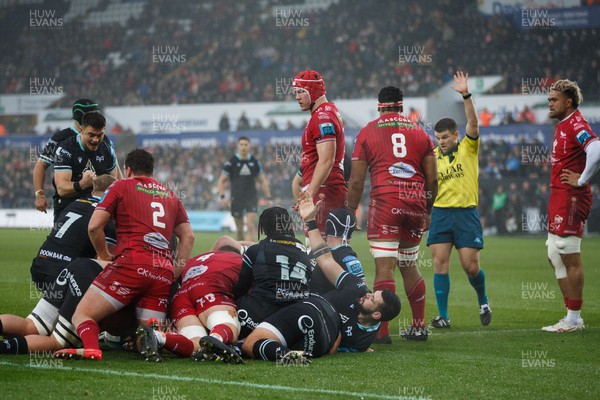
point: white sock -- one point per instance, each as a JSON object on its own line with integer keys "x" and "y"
{"x": 573, "y": 316}
{"x": 162, "y": 339}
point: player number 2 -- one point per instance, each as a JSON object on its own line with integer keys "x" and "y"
{"x": 160, "y": 212}
{"x": 399, "y": 142}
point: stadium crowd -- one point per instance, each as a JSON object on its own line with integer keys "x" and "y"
{"x": 509, "y": 184}
{"x": 237, "y": 52}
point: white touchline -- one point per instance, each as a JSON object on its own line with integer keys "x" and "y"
{"x": 211, "y": 381}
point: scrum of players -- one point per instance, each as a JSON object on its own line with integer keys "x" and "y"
{"x": 111, "y": 274}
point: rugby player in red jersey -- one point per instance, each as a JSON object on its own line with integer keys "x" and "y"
{"x": 399, "y": 156}
{"x": 575, "y": 160}
{"x": 323, "y": 147}
{"x": 146, "y": 214}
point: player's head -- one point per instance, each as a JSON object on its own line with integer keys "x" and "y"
{"x": 101, "y": 183}
{"x": 382, "y": 305}
{"x": 309, "y": 87}
{"x": 93, "y": 125}
{"x": 82, "y": 106}
{"x": 275, "y": 221}
{"x": 139, "y": 162}
{"x": 564, "y": 98}
{"x": 340, "y": 223}
{"x": 243, "y": 146}
{"x": 446, "y": 134}
{"x": 390, "y": 99}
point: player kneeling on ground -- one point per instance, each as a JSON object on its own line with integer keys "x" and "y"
{"x": 204, "y": 310}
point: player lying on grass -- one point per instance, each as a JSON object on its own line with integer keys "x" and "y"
{"x": 71, "y": 284}
{"x": 345, "y": 319}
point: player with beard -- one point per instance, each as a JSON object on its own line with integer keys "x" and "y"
{"x": 575, "y": 160}
{"x": 345, "y": 319}
{"x": 277, "y": 269}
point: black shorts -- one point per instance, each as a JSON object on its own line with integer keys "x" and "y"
{"x": 83, "y": 271}
{"x": 44, "y": 275}
{"x": 251, "y": 312}
{"x": 312, "y": 325}
{"x": 240, "y": 206}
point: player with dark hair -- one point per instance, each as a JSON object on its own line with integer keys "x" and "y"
{"x": 203, "y": 309}
{"x": 399, "y": 156}
{"x": 277, "y": 268}
{"x": 323, "y": 147}
{"x": 146, "y": 214}
{"x": 345, "y": 319}
{"x": 339, "y": 227}
{"x": 575, "y": 160}
{"x": 243, "y": 171}
{"x": 455, "y": 220}
{"x": 73, "y": 281}
{"x": 81, "y": 158}
{"x": 48, "y": 157}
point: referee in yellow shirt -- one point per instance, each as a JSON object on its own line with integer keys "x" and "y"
{"x": 455, "y": 219}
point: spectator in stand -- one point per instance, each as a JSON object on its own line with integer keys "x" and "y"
{"x": 485, "y": 117}
{"x": 224, "y": 123}
{"x": 526, "y": 116}
{"x": 243, "y": 123}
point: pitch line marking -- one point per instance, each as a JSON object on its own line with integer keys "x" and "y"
{"x": 212, "y": 381}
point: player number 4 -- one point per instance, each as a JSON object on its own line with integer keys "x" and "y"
{"x": 399, "y": 142}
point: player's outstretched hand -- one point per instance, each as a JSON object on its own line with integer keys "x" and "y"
{"x": 306, "y": 207}
{"x": 460, "y": 82}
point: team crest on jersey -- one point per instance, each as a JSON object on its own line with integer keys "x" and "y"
{"x": 245, "y": 170}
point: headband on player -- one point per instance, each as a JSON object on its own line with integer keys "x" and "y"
{"x": 389, "y": 96}
{"x": 82, "y": 106}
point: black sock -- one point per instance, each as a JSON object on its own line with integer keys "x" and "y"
{"x": 16, "y": 345}
{"x": 1, "y": 327}
{"x": 268, "y": 350}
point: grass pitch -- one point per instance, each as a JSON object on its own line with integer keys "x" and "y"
{"x": 510, "y": 359}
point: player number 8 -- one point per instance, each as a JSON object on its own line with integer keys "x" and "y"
{"x": 399, "y": 142}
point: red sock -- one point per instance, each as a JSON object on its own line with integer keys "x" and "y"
{"x": 567, "y": 302}
{"x": 224, "y": 331}
{"x": 88, "y": 331}
{"x": 384, "y": 328}
{"x": 574, "y": 304}
{"x": 416, "y": 299}
{"x": 178, "y": 344}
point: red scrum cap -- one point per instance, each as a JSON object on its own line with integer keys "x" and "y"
{"x": 312, "y": 82}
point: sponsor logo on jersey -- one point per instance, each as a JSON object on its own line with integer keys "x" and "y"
{"x": 402, "y": 170}
{"x": 326, "y": 128}
{"x": 583, "y": 137}
{"x": 194, "y": 271}
{"x": 153, "y": 189}
{"x": 451, "y": 173}
{"x": 245, "y": 170}
{"x": 157, "y": 240}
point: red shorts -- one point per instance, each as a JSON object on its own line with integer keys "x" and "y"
{"x": 195, "y": 296}
{"x": 391, "y": 219}
{"x": 124, "y": 283}
{"x": 567, "y": 213}
{"x": 333, "y": 197}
